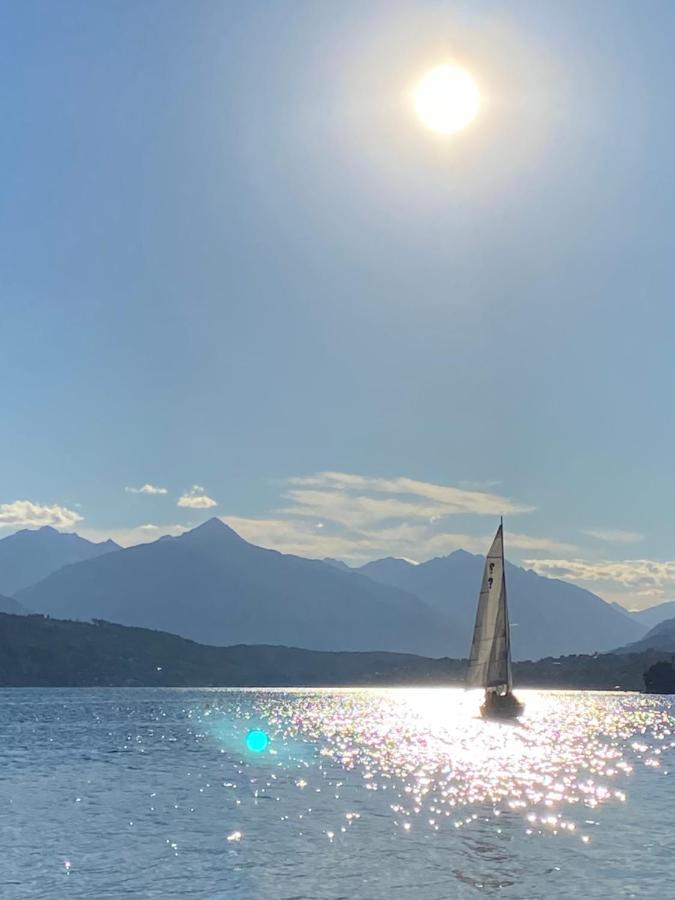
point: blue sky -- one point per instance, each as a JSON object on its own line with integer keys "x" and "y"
{"x": 231, "y": 258}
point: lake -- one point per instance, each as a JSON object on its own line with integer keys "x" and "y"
{"x": 367, "y": 794}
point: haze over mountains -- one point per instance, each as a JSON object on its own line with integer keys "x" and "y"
{"x": 211, "y": 585}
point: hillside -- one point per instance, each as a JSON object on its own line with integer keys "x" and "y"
{"x": 36, "y": 651}
{"x": 661, "y": 638}
{"x": 10, "y": 605}
{"x": 29, "y": 555}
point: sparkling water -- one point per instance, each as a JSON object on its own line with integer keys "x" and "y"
{"x": 359, "y": 794}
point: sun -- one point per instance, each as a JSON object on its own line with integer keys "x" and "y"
{"x": 447, "y": 99}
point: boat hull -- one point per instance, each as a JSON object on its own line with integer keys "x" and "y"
{"x": 500, "y": 707}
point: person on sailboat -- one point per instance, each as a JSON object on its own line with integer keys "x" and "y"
{"x": 490, "y": 658}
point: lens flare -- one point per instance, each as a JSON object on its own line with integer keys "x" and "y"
{"x": 257, "y": 741}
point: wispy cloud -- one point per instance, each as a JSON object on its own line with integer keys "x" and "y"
{"x": 479, "y": 485}
{"x": 146, "y": 489}
{"x": 196, "y": 498}
{"x": 422, "y": 496}
{"x": 614, "y": 536}
{"x": 410, "y": 540}
{"x": 643, "y": 581}
{"x": 26, "y": 514}
{"x": 359, "y": 517}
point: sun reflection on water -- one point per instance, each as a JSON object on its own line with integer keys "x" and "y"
{"x": 442, "y": 767}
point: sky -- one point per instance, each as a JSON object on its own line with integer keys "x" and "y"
{"x": 239, "y": 278}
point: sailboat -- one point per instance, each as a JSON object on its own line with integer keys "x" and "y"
{"x": 490, "y": 658}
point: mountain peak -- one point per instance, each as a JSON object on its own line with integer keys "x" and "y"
{"x": 214, "y": 528}
{"x": 29, "y": 555}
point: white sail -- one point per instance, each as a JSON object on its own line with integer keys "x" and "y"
{"x": 490, "y": 660}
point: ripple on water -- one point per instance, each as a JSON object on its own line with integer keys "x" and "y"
{"x": 362, "y": 794}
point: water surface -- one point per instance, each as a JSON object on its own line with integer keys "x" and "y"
{"x": 358, "y": 794}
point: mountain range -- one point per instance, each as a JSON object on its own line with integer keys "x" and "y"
{"x": 211, "y": 585}
{"x": 548, "y": 617}
{"x": 31, "y": 554}
{"x": 661, "y": 638}
{"x": 653, "y": 615}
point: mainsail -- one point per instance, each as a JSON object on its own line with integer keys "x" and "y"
{"x": 490, "y": 660}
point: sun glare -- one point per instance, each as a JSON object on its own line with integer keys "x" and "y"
{"x": 447, "y": 99}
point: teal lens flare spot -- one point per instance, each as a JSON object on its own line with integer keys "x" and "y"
{"x": 257, "y": 741}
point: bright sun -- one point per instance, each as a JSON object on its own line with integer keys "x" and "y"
{"x": 447, "y": 99}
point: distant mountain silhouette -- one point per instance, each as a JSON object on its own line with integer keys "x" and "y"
{"x": 211, "y": 585}
{"x": 548, "y": 617}
{"x": 661, "y": 637}
{"x": 30, "y": 555}
{"x": 655, "y": 614}
{"x": 389, "y": 570}
{"x": 337, "y": 563}
{"x": 10, "y": 605}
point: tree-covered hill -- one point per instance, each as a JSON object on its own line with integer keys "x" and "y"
{"x": 39, "y": 651}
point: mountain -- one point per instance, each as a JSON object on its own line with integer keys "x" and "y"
{"x": 10, "y": 605}
{"x": 31, "y": 554}
{"x": 389, "y": 570}
{"x": 211, "y": 585}
{"x": 622, "y": 609}
{"x": 661, "y": 638}
{"x": 655, "y": 614}
{"x": 337, "y": 563}
{"x": 548, "y": 617}
{"x": 35, "y": 651}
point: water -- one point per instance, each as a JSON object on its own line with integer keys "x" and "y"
{"x": 358, "y": 794}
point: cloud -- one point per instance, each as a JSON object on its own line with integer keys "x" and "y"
{"x": 26, "y": 514}
{"x": 359, "y": 517}
{"x": 636, "y": 582}
{"x": 409, "y": 540}
{"x": 196, "y": 498}
{"x": 612, "y": 536}
{"x": 298, "y": 538}
{"x": 528, "y": 542}
{"x": 479, "y": 485}
{"x": 146, "y": 489}
{"x": 421, "y": 496}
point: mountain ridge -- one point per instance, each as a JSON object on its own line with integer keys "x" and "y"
{"x": 210, "y": 584}
{"x": 31, "y": 554}
{"x": 546, "y": 613}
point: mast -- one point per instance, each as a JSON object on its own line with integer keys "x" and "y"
{"x": 507, "y": 626}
